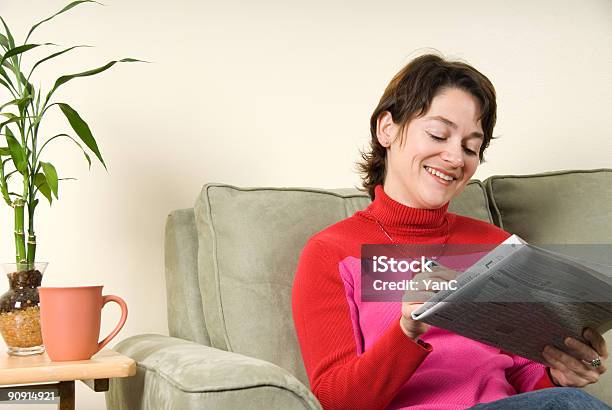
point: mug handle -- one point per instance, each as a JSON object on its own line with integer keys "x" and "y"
{"x": 124, "y": 312}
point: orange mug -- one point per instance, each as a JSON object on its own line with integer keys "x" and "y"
{"x": 70, "y": 321}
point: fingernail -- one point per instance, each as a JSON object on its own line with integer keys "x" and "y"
{"x": 568, "y": 341}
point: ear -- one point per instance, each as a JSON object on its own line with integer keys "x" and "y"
{"x": 386, "y": 129}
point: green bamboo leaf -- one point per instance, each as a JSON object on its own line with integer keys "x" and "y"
{"x": 21, "y": 78}
{"x": 10, "y": 174}
{"x": 5, "y": 194}
{"x": 82, "y": 130}
{"x": 11, "y": 118}
{"x": 4, "y": 42}
{"x": 19, "y": 50}
{"x": 34, "y": 205}
{"x": 17, "y": 153}
{"x": 6, "y": 77}
{"x": 40, "y": 181}
{"x": 26, "y": 99}
{"x": 29, "y": 87}
{"x": 5, "y": 84}
{"x": 9, "y": 36}
{"x": 59, "y": 53}
{"x": 51, "y": 175}
{"x": 38, "y": 103}
{"x": 18, "y": 102}
{"x": 65, "y": 78}
{"x": 23, "y": 103}
{"x": 87, "y": 157}
{"x": 4, "y": 185}
{"x": 13, "y": 102}
{"x": 5, "y": 151}
{"x": 22, "y": 166}
{"x": 66, "y": 8}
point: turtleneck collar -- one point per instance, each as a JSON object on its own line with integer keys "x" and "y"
{"x": 396, "y": 216}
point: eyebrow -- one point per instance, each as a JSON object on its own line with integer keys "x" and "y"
{"x": 453, "y": 125}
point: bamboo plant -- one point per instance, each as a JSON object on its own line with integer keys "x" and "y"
{"x": 23, "y": 172}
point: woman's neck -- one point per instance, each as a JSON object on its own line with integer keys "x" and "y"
{"x": 394, "y": 214}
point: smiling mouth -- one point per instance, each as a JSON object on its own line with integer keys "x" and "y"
{"x": 439, "y": 174}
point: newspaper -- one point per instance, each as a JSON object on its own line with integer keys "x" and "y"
{"x": 520, "y": 298}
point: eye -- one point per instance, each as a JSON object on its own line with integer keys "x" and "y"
{"x": 469, "y": 151}
{"x": 435, "y": 137}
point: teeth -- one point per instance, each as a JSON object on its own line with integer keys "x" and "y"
{"x": 439, "y": 174}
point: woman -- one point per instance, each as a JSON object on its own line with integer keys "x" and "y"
{"x": 429, "y": 133}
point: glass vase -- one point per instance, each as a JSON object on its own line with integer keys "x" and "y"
{"x": 20, "y": 309}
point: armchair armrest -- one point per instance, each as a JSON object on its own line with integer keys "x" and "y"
{"x": 175, "y": 373}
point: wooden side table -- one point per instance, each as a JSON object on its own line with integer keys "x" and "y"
{"x": 39, "y": 374}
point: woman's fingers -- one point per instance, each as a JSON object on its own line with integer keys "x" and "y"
{"x": 567, "y": 379}
{"x": 597, "y": 341}
{"x": 437, "y": 272}
{"x": 412, "y": 328}
{"x": 424, "y": 285}
{"x": 573, "y": 369}
{"x": 562, "y": 375}
{"x": 586, "y": 354}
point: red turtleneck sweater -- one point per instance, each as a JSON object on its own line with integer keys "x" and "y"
{"x": 355, "y": 353}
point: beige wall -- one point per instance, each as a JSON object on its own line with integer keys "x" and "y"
{"x": 279, "y": 93}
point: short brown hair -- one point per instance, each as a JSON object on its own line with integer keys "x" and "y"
{"x": 409, "y": 95}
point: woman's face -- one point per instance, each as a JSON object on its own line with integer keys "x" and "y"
{"x": 439, "y": 152}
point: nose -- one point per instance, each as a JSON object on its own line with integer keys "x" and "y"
{"x": 453, "y": 155}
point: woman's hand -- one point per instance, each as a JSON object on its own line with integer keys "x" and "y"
{"x": 413, "y": 299}
{"x": 575, "y": 369}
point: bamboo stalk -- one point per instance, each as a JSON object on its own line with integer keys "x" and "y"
{"x": 31, "y": 233}
{"x": 31, "y": 249}
{"x": 19, "y": 232}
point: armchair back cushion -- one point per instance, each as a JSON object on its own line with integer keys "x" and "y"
{"x": 250, "y": 240}
{"x": 566, "y": 207}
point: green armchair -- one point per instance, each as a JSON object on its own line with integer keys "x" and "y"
{"x": 230, "y": 262}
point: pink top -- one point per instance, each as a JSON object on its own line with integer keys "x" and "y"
{"x": 456, "y": 372}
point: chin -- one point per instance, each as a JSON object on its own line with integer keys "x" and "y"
{"x": 434, "y": 203}
{"x": 434, "y": 198}
{"x": 437, "y": 205}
